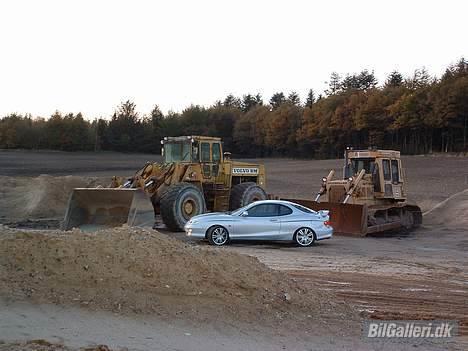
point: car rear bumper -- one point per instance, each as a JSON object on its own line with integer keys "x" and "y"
{"x": 325, "y": 234}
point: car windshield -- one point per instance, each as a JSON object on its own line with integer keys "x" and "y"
{"x": 177, "y": 152}
{"x": 303, "y": 209}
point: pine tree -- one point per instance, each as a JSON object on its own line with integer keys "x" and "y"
{"x": 395, "y": 79}
{"x": 232, "y": 101}
{"x": 277, "y": 100}
{"x": 248, "y": 102}
{"x": 310, "y": 98}
{"x": 334, "y": 84}
{"x": 293, "y": 99}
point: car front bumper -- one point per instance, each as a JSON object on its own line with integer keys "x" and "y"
{"x": 194, "y": 232}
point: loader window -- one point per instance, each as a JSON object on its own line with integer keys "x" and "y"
{"x": 216, "y": 153}
{"x": 386, "y": 170}
{"x": 362, "y": 163}
{"x": 395, "y": 173}
{"x": 177, "y": 152}
{"x": 205, "y": 152}
{"x": 195, "y": 156}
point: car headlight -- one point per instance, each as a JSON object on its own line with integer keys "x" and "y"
{"x": 192, "y": 221}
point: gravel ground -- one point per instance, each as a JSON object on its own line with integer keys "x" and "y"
{"x": 422, "y": 275}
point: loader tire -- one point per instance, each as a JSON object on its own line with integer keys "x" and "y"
{"x": 245, "y": 193}
{"x": 180, "y": 203}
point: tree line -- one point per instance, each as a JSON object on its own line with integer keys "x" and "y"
{"x": 416, "y": 114}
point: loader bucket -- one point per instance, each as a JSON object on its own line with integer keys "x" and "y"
{"x": 92, "y": 209}
{"x": 346, "y": 219}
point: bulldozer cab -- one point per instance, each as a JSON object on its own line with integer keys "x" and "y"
{"x": 382, "y": 170}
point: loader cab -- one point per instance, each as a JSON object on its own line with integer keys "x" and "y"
{"x": 207, "y": 151}
{"x": 177, "y": 149}
{"x": 211, "y": 156}
{"x": 191, "y": 149}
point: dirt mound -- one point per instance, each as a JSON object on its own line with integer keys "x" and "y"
{"x": 43, "y": 345}
{"x": 451, "y": 213}
{"x": 142, "y": 271}
{"x": 39, "y": 197}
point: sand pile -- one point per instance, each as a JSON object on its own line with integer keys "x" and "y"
{"x": 451, "y": 213}
{"x": 43, "y": 345}
{"x": 39, "y": 197}
{"x": 142, "y": 271}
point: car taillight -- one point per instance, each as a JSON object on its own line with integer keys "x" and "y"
{"x": 327, "y": 223}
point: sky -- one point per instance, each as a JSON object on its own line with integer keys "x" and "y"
{"x": 88, "y": 56}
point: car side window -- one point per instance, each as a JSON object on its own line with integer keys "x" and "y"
{"x": 284, "y": 210}
{"x": 263, "y": 210}
{"x": 303, "y": 209}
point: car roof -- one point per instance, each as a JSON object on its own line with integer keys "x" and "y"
{"x": 279, "y": 202}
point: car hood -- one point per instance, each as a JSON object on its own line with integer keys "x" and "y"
{"x": 212, "y": 214}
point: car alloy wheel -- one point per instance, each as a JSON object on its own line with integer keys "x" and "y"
{"x": 218, "y": 236}
{"x": 304, "y": 237}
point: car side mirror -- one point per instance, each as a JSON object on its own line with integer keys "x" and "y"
{"x": 244, "y": 214}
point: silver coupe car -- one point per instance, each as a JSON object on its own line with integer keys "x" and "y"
{"x": 263, "y": 220}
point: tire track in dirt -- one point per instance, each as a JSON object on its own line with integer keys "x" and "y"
{"x": 442, "y": 203}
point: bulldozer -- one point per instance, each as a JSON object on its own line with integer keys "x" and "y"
{"x": 371, "y": 197}
{"x": 195, "y": 177}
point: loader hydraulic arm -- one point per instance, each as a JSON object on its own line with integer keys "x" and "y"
{"x": 149, "y": 178}
{"x": 158, "y": 177}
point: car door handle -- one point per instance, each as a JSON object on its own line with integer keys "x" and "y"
{"x": 273, "y": 220}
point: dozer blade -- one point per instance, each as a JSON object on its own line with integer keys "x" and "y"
{"x": 92, "y": 209}
{"x": 346, "y": 219}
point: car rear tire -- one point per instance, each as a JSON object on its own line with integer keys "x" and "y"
{"x": 304, "y": 237}
{"x": 245, "y": 193}
{"x": 218, "y": 235}
{"x": 179, "y": 203}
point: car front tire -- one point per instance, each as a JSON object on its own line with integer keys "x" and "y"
{"x": 218, "y": 235}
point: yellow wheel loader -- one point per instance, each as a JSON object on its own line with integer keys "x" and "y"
{"x": 195, "y": 177}
{"x": 371, "y": 197}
